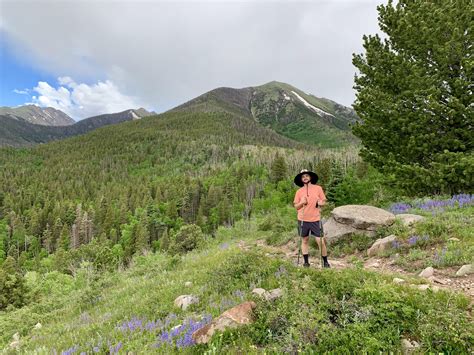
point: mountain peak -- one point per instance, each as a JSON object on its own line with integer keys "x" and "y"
{"x": 283, "y": 107}
{"x": 45, "y": 116}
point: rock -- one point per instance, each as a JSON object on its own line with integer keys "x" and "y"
{"x": 15, "y": 344}
{"x": 398, "y": 281}
{"x": 188, "y": 284}
{"x": 381, "y": 245}
{"x": 238, "y": 315}
{"x": 465, "y": 270}
{"x": 423, "y": 287}
{"x": 437, "y": 280}
{"x": 259, "y": 291}
{"x": 184, "y": 301}
{"x": 363, "y": 217}
{"x": 273, "y": 294}
{"x": 426, "y": 273}
{"x": 409, "y": 346}
{"x": 334, "y": 231}
{"x": 408, "y": 219}
{"x": 453, "y": 239}
{"x": 38, "y": 326}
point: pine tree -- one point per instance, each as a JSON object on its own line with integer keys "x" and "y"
{"x": 12, "y": 285}
{"x": 414, "y": 95}
{"x": 279, "y": 169}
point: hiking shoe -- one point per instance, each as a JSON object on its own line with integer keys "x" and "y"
{"x": 306, "y": 264}
{"x": 326, "y": 265}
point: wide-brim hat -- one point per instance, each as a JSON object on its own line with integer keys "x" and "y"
{"x": 299, "y": 182}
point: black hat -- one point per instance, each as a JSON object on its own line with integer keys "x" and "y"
{"x": 314, "y": 177}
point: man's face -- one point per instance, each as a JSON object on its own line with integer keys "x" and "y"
{"x": 305, "y": 178}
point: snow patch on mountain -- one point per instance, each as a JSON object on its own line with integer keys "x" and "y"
{"x": 314, "y": 108}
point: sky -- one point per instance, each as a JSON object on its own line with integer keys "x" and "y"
{"x": 93, "y": 57}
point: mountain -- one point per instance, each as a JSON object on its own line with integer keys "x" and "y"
{"x": 20, "y": 132}
{"x": 284, "y": 108}
{"x": 45, "y": 116}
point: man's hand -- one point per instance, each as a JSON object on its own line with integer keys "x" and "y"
{"x": 304, "y": 201}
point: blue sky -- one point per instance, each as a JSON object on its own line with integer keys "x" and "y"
{"x": 17, "y": 73}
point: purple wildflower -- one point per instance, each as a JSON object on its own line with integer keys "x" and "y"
{"x": 115, "y": 349}
{"x": 412, "y": 240}
{"x": 224, "y": 246}
{"x": 400, "y": 207}
{"x": 239, "y": 294}
{"x": 71, "y": 350}
{"x": 182, "y": 334}
{"x": 395, "y": 244}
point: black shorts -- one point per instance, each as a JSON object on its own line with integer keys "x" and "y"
{"x": 313, "y": 227}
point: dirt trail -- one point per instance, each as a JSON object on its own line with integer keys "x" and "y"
{"x": 442, "y": 279}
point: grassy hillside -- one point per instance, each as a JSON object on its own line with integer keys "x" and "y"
{"x": 349, "y": 310}
{"x": 160, "y": 172}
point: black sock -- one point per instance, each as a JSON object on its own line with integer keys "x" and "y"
{"x": 325, "y": 258}
{"x": 305, "y": 256}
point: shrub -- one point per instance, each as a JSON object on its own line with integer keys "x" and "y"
{"x": 189, "y": 237}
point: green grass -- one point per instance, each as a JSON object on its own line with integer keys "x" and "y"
{"x": 428, "y": 243}
{"x": 349, "y": 310}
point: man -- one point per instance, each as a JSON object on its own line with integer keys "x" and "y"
{"x": 308, "y": 200}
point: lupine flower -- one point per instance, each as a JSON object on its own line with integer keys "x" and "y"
{"x": 412, "y": 240}
{"x": 400, "y": 207}
{"x": 434, "y": 205}
{"x": 395, "y": 244}
{"x": 183, "y": 333}
{"x": 224, "y": 246}
{"x": 239, "y": 294}
{"x": 70, "y": 351}
{"x": 115, "y": 349}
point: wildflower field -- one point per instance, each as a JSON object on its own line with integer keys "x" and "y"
{"x": 349, "y": 310}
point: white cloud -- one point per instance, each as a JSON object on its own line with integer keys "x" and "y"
{"x": 21, "y": 92}
{"x": 168, "y": 52}
{"x": 82, "y": 100}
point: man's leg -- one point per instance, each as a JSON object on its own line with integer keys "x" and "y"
{"x": 304, "y": 250}
{"x": 323, "y": 250}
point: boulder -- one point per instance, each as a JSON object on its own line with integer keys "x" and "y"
{"x": 259, "y": 291}
{"x": 273, "y": 294}
{"x": 351, "y": 219}
{"x": 238, "y": 315}
{"x": 465, "y": 270}
{"x": 363, "y": 217}
{"x": 409, "y": 347}
{"x": 380, "y": 245}
{"x": 184, "y": 301}
{"x": 426, "y": 273}
{"x": 334, "y": 231}
{"x": 408, "y": 219}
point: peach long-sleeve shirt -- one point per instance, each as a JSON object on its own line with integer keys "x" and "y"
{"x": 313, "y": 193}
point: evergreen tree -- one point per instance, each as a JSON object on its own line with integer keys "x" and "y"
{"x": 414, "y": 95}
{"x": 141, "y": 234}
{"x": 12, "y": 285}
{"x": 279, "y": 169}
